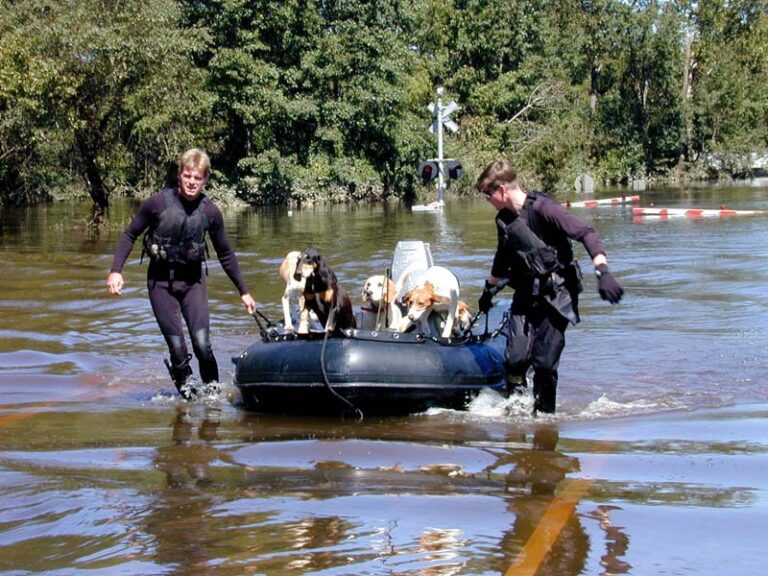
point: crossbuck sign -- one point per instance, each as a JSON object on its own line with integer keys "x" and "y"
{"x": 443, "y": 116}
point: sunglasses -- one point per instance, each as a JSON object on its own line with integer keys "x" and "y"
{"x": 491, "y": 191}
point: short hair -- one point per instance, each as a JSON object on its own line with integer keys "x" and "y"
{"x": 197, "y": 159}
{"x": 497, "y": 173}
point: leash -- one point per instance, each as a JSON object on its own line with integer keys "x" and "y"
{"x": 504, "y": 320}
{"x": 268, "y": 333}
{"x": 349, "y": 406}
{"x": 485, "y": 335}
{"x": 467, "y": 331}
{"x": 385, "y": 299}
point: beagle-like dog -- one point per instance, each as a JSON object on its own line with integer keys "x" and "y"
{"x": 380, "y": 309}
{"x": 293, "y": 296}
{"x": 438, "y": 293}
{"x": 322, "y": 294}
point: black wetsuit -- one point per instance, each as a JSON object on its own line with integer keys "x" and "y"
{"x": 179, "y": 290}
{"x": 542, "y": 309}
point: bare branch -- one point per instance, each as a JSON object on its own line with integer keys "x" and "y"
{"x": 540, "y": 97}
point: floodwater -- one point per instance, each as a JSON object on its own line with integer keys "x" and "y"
{"x": 656, "y": 462}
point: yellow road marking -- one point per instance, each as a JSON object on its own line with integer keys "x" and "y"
{"x": 9, "y": 419}
{"x": 544, "y": 537}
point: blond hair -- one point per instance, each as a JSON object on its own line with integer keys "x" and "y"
{"x": 197, "y": 159}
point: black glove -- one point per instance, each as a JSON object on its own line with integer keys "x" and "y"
{"x": 486, "y": 299}
{"x": 607, "y": 285}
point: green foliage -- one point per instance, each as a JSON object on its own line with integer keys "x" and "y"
{"x": 638, "y": 122}
{"x": 101, "y": 92}
{"x": 303, "y": 101}
{"x": 311, "y": 94}
{"x": 730, "y": 104}
{"x": 278, "y": 180}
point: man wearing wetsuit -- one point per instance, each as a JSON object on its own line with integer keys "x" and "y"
{"x": 534, "y": 255}
{"x": 177, "y": 221}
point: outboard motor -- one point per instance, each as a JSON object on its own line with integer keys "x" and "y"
{"x": 414, "y": 255}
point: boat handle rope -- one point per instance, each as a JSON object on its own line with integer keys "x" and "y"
{"x": 354, "y": 409}
{"x": 270, "y": 333}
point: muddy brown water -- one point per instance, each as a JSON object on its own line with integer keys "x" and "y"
{"x": 656, "y": 462}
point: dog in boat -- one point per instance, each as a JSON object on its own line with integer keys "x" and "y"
{"x": 438, "y": 294}
{"x": 293, "y": 296}
{"x": 380, "y": 308}
{"x": 323, "y": 295}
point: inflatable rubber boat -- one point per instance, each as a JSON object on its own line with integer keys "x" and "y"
{"x": 366, "y": 372}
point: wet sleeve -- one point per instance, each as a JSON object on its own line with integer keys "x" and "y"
{"x": 148, "y": 212}
{"x": 223, "y": 249}
{"x": 573, "y": 227}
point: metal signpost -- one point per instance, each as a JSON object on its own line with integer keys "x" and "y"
{"x": 442, "y": 118}
{"x": 428, "y": 168}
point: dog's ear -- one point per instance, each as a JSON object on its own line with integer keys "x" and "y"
{"x": 309, "y": 255}
{"x": 297, "y": 268}
{"x": 322, "y": 269}
{"x": 304, "y": 258}
{"x": 441, "y": 299}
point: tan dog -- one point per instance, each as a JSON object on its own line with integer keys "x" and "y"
{"x": 293, "y": 296}
{"x": 439, "y": 293}
{"x": 380, "y": 309}
{"x": 323, "y": 294}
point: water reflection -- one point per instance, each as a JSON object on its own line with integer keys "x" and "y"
{"x": 616, "y": 541}
{"x": 533, "y": 476}
{"x": 191, "y": 489}
{"x": 99, "y": 473}
{"x": 185, "y": 462}
{"x": 179, "y": 517}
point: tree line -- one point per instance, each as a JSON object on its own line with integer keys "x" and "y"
{"x": 326, "y": 100}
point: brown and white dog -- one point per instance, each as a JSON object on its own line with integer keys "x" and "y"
{"x": 438, "y": 293}
{"x": 380, "y": 309}
{"x": 293, "y": 296}
{"x": 322, "y": 294}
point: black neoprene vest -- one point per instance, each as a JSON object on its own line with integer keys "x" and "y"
{"x": 178, "y": 238}
{"x": 540, "y": 270}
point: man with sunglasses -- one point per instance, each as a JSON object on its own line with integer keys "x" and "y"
{"x": 534, "y": 256}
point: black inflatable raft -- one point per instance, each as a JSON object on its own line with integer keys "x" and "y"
{"x": 367, "y": 373}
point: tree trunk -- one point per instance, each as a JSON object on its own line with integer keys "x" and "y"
{"x": 593, "y": 87}
{"x": 685, "y": 145}
{"x": 93, "y": 178}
